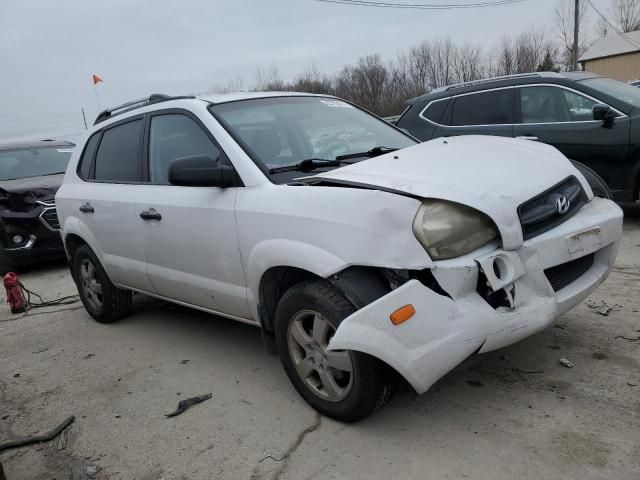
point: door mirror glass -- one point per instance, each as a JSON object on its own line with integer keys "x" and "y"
{"x": 201, "y": 171}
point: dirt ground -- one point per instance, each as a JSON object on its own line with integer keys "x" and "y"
{"x": 512, "y": 413}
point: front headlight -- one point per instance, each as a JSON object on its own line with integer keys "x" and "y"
{"x": 448, "y": 230}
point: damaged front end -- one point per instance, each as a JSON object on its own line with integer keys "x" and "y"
{"x": 29, "y": 228}
{"x": 486, "y": 299}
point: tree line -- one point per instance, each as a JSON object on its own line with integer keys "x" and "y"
{"x": 383, "y": 85}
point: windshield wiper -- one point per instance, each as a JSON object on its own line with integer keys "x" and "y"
{"x": 374, "y": 152}
{"x": 308, "y": 165}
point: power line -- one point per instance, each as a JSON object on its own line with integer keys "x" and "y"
{"x": 422, "y": 6}
{"x": 622, "y": 34}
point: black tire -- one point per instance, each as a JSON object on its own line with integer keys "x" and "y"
{"x": 595, "y": 181}
{"x": 372, "y": 383}
{"x": 5, "y": 264}
{"x": 115, "y": 302}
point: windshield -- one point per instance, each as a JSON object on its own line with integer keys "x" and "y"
{"x": 622, "y": 91}
{"x": 33, "y": 162}
{"x": 283, "y": 131}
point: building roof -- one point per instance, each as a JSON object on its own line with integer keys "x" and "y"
{"x": 613, "y": 44}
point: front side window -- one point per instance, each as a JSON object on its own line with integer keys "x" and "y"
{"x": 546, "y": 104}
{"x": 175, "y": 136}
{"x": 118, "y": 154}
{"x": 283, "y": 131}
{"x": 33, "y": 162}
{"x": 494, "y": 107}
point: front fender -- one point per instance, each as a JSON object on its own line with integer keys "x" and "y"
{"x": 290, "y": 253}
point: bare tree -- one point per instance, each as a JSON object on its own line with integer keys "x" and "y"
{"x": 440, "y": 67}
{"x": 232, "y": 85}
{"x": 468, "y": 62}
{"x": 565, "y": 21}
{"x": 626, "y": 14}
{"x": 312, "y": 80}
{"x": 505, "y": 57}
{"x": 269, "y": 79}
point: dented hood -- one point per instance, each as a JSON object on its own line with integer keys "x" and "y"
{"x": 22, "y": 194}
{"x": 491, "y": 174}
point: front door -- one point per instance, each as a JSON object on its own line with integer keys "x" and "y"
{"x": 563, "y": 118}
{"x": 189, "y": 233}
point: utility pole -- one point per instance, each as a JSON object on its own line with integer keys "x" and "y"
{"x": 85, "y": 119}
{"x": 576, "y": 28}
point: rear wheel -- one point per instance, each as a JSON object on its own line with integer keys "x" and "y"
{"x": 104, "y": 302}
{"x": 344, "y": 385}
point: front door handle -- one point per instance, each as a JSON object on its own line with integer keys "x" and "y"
{"x": 86, "y": 208}
{"x": 532, "y": 138}
{"x": 150, "y": 214}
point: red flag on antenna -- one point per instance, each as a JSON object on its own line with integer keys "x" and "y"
{"x": 96, "y": 79}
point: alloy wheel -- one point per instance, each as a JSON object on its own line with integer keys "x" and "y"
{"x": 327, "y": 373}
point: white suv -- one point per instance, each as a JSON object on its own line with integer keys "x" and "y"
{"x": 362, "y": 255}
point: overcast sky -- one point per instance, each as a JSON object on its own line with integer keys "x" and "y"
{"x": 50, "y": 48}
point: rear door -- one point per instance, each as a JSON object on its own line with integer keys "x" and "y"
{"x": 563, "y": 117}
{"x": 488, "y": 112}
{"x": 191, "y": 245}
{"x": 105, "y": 201}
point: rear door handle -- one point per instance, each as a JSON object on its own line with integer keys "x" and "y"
{"x": 532, "y": 138}
{"x": 150, "y": 214}
{"x": 86, "y": 208}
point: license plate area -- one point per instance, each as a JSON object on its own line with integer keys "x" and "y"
{"x": 587, "y": 241}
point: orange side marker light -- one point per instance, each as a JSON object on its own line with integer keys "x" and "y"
{"x": 402, "y": 314}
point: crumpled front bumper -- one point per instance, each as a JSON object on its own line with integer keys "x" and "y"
{"x": 447, "y": 329}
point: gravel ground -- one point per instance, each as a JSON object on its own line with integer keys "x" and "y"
{"x": 512, "y": 413}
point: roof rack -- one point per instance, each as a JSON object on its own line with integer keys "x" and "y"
{"x": 132, "y": 105}
{"x": 493, "y": 79}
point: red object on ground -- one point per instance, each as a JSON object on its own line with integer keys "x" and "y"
{"x": 15, "y": 298}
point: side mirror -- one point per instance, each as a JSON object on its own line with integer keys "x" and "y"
{"x": 604, "y": 114}
{"x": 201, "y": 171}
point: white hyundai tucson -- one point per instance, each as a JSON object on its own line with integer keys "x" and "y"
{"x": 364, "y": 256}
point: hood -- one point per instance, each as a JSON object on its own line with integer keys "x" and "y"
{"x": 491, "y": 174}
{"x": 23, "y": 193}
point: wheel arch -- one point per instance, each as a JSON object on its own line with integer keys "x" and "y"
{"x": 360, "y": 285}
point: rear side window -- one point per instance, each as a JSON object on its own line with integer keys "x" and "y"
{"x": 119, "y": 153}
{"x": 435, "y": 110}
{"x": 486, "y": 108}
{"x": 87, "y": 156}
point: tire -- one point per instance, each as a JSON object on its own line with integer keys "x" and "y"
{"x": 595, "y": 181}
{"x": 350, "y": 396}
{"x": 104, "y": 302}
{"x": 5, "y": 264}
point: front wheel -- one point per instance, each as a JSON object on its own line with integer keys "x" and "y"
{"x": 105, "y": 302}
{"x": 345, "y": 385}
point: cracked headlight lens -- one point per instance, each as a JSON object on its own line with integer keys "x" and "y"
{"x": 447, "y": 229}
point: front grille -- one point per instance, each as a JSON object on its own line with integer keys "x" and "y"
{"x": 562, "y": 275}
{"x": 49, "y": 217}
{"x": 541, "y": 213}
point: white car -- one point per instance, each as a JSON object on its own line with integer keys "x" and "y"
{"x": 362, "y": 255}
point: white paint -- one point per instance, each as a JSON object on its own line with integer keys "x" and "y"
{"x": 213, "y": 246}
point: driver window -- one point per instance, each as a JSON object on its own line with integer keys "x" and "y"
{"x": 173, "y": 136}
{"x": 552, "y": 105}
